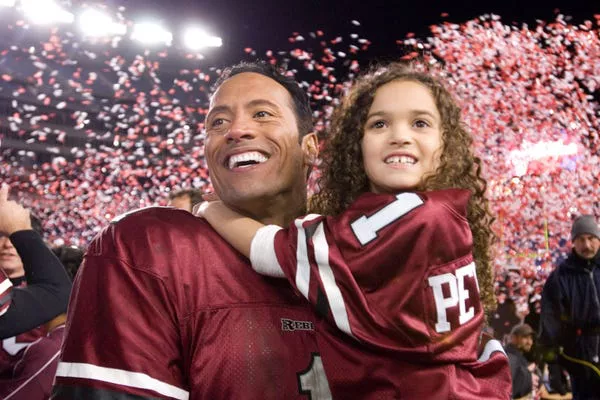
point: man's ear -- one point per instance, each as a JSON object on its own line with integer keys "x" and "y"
{"x": 310, "y": 148}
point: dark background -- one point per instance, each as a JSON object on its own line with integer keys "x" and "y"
{"x": 267, "y": 24}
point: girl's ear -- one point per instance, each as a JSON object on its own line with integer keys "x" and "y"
{"x": 310, "y": 148}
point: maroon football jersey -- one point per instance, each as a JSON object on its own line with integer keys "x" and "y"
{"x": 34, "y": 369}
{"x": 10, "y": 347}
{"x": 396, "y": 273}
{"x": 162, "y": 307}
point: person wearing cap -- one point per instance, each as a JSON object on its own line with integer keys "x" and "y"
{"x": 570, "y": 318}
{"x": 523, "y": 379}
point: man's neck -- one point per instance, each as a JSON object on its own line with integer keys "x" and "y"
{"x": 279, "y": 211}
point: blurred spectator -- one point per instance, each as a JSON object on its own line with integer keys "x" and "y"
{"x": 504, "y": 319}
{"x": 33, "y": 371}
{"x": 24, "y": 257}
{"x": 570, "y": 320}
{"x": 525, "y": 381}
{"x": 71, "y": 258}
{"x": 185, "y": 199}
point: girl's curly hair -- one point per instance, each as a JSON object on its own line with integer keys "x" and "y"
{"x": 344, "y": 177}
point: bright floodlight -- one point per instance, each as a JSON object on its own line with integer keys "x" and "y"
{"x": 150, "y": 33}
{"x": 45, "y": 12}
{"x": 7, "y": 3}
{"x": 196, "y": 38}
{"x": 96, "y": 23}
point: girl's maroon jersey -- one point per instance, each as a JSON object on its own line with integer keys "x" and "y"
{"x": 162, "y": 307}
{"x": 396, "y": 273}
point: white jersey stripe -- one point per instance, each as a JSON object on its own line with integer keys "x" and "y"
{"x": 4, "y": 285}
{"x": 490, "y": 348}
{"x": 120, "y": 377}
{"x": 262, "y": 252}
{"x": 332, "y": 291}
{"x": 303, "y": 267}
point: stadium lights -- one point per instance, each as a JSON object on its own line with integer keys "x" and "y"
{"x": 196, "y": 39}
{"x": 7, "y": 3}
{"x": 45, "y": 12}
{"x": 96, "y": 23}
{"x": 151, "y": 33}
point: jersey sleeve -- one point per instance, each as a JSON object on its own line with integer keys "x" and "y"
{"x": 392, "y": 271}
{"x": 122, "y": 338}
{"x": 46, "y": 294}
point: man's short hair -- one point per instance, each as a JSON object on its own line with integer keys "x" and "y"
{"x": 195, "y": 195}
{"x": 301, "y": 104}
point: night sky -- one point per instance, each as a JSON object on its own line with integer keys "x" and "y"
{"x": 267, "y": 24}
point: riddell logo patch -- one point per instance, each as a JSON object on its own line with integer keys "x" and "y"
{"x": 290, "y": 325}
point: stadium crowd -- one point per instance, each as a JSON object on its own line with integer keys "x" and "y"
{"x": 90, "y": 131}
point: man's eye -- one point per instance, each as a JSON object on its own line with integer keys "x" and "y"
{"x": 262, "y": 114}
{"x": 217, "y": 122}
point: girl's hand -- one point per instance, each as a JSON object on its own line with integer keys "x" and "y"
{"x": 199, "y": 209}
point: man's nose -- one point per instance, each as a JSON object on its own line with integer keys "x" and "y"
{"x": 240, "y": 130}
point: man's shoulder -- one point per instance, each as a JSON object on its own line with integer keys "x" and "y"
{"x": 167, "y": 219}
{"x": 139, "y": 231}
{"x": 511, "y": 350}
{"x": 152, "y": 214}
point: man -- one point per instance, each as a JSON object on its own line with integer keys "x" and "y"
{"x": 162, "y": 307}
{"x": 24, "y": 258}
{"x": 524, "y": 381}
{"x": 185, "y": 199}
{"x": 570, "y": 319}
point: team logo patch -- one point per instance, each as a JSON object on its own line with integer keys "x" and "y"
{"x": 289, "y": 325}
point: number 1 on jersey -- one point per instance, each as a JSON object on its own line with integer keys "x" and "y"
{"x": 313, "y": 381}
{"x": 366, "y": 228}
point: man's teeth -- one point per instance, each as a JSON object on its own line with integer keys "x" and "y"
{"x": 400, "y": 159}
{"x": 246, "y": 159}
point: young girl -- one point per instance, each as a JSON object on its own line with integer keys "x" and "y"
{"x": 397, "y": 253}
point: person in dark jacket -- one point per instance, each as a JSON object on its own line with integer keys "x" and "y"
{"x": 570, "y": 319}
{"x": 24, "y": 258}
{"x": 523, "y": 379}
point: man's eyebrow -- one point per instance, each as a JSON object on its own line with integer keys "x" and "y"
{"x": 261, "y": 102}
{"x": 250, "y": 104}
{"x": 218, "y": 109}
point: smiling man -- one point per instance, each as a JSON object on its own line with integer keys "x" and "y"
{"x": 164, "y": 308}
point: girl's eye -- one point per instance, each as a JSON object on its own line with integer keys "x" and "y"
{"x": 378, "y": 124}
{"x": 421, "y": 123}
